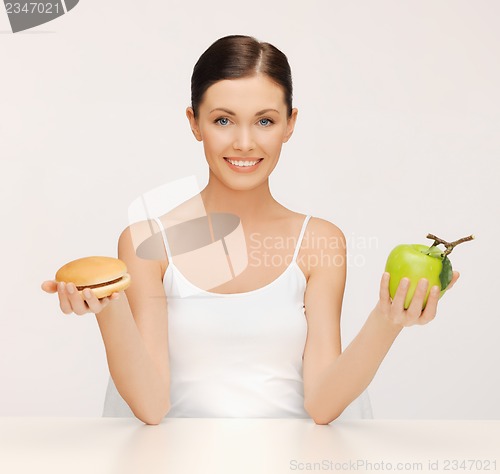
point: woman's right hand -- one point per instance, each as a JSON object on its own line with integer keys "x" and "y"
{"x": 72, "y": 301}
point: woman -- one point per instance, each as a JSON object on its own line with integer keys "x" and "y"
{"x": 265, "y": 343}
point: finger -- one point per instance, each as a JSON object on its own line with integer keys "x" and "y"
{"x": 49, "y": 286}
{"x": 430, "y": 309}
{"x": 384, "y": 287}
{"x": 64, "y": 303}
{"x": 415, "y": 309}
{"x": 106, "y": 300}
{"x": 93, "y": 302}
{"x": 400, "y": 296}
{"x": 384, "y": 303}
{"x": 384, "y": 295}
{"x": 76, "y": 300}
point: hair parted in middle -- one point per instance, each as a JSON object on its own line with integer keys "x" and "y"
{"x": 239, "y": 56}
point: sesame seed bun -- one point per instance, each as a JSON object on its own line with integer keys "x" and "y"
{"x": 103, "y": 275}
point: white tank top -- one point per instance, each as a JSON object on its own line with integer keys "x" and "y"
{"x": 238, "y": 354}
{"x": 235, "y": 355}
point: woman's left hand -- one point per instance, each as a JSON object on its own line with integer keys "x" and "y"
{"x": 393, "y": 309}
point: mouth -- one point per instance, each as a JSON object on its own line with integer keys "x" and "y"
{"x": 243, "y": 165}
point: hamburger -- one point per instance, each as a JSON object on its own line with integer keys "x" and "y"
{"x": 103, "y": 275}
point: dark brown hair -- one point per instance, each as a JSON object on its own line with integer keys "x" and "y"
{"x": 238, "y": 56}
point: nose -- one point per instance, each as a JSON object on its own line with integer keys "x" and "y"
{"x": 243, "y": 140}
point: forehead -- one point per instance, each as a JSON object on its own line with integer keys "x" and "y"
{"x": 256, "y": 92}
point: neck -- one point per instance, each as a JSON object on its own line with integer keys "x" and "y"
{"x": 250, "y": 205}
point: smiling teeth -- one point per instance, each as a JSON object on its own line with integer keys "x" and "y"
{"x": 242, "y": 163}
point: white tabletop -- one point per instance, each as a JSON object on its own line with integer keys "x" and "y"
{"x": 257, "y": 446}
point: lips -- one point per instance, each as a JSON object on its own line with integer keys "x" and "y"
{"x": 243, "y": 160}
{"x": 243, "y": 168}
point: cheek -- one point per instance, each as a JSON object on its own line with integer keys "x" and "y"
{"x": 214, "y": 140}
{"x": 218, "y": 140}
{"x": 272, "y": 140}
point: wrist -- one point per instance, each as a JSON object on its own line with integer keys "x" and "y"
{"x": 385, "y": 323}
{"x": 114, "y": 308}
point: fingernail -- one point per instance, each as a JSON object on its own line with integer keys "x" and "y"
{"x": 70, "y": 288}
{"x": 87, "y": 293}
{"x": 405, "y": 282}
{"x": 435, "y": 290}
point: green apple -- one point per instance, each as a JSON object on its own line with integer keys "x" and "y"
{"x": 417, "y": 261}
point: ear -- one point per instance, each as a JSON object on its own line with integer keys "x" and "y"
{"x": 193, "y": 123}
{"x": 290, "y": 125}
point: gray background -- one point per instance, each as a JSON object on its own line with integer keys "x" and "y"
{"x": 397, "y": 136}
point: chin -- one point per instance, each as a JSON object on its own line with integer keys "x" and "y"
{"x": 243, "y": 186}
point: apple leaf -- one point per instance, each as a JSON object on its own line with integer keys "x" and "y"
{"x": 446, "y": 273}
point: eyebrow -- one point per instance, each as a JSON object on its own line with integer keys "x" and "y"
{"x": 229, "y": 112}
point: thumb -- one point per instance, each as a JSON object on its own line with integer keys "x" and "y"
{"x": 49, "y": 286}
{"x": 454, "y": 279}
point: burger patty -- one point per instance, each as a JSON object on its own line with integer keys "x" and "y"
{"x": 79, "y": 288}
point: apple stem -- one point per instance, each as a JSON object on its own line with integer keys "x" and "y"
{"x": 449, "y": 245}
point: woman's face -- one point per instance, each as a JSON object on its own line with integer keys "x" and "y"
{"x": 243, "y": 120}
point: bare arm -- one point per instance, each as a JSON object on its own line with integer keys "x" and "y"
{"x": 134, "y": 331}
{"x": 333, "y": 379}
{"x": 340, "y": 380}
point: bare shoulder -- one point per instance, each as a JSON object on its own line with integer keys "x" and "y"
{"x": 142, "y": 240}
{"x": 325, "y": 228}
{"x": 324, "y": 235}
{"x": 324, "y": 247}
{"x": 137, "y": 247}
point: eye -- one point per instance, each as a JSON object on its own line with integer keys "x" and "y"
{"x": 269, "y": 122}
{"x": 223, "y": 121}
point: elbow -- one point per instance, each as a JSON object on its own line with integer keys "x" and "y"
{"x": 321, "y": 416}
{"x": 152, "y": 421}
{"x": 322, "y": 420}
{"x": 152, "y": 417}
